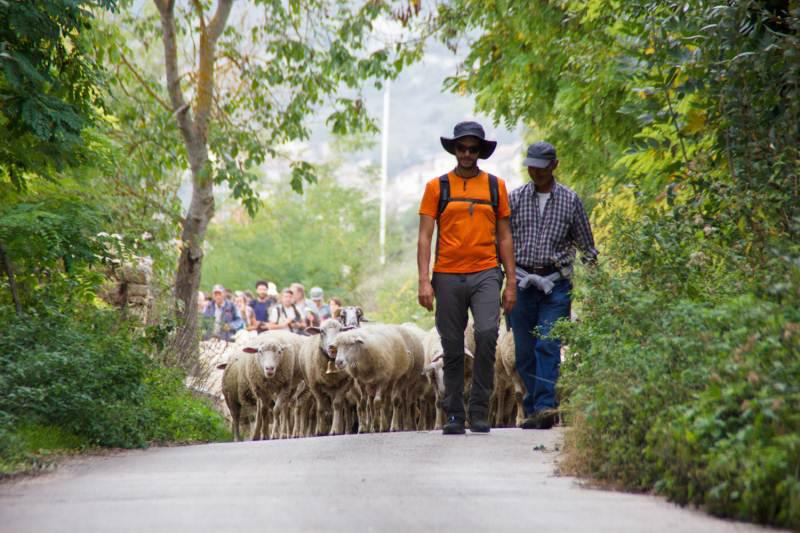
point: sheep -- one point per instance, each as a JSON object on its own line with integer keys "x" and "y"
{"x": 508, "y": 386}
{"x": 230, "y": 357}
{"x": 328, "y": 386}
{"x": 273, "y": 375}
{"x": 417, "y": 386}
{"x": 236, "y": 390}
{"x": 377, "y": 358}
{"x": 350, "y": 316}
{"x": 434, "y": 368}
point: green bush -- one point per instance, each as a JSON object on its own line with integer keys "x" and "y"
{"x": 698, "y": 398}
{"x": 90, "y": 377}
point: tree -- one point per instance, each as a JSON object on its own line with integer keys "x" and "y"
{"x": 239, "y": 94}
{"x": 49, "y": 86}
{"x": 50, "y": 89}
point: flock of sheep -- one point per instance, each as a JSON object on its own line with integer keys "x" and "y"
{"x": 351, "y": 376}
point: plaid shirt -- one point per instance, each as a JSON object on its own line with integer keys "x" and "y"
{"x": 549, "y": 241}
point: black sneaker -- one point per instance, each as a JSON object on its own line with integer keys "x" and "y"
{"x": 454, "y": 426}
{"x": 479, "y": 426}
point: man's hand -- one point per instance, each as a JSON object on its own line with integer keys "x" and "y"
{"x": 509, "y": 297}
{"x": 426, "y": 294}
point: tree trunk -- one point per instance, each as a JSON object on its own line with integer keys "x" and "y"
{"x": 193, "y": 125}
{"x": 12, "y": 282}
{"x": 187, "y": 279}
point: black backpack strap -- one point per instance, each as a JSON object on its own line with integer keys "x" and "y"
{"x": 444, "y": 199}
{"x": 444, "y": 193}
{"x": 494, "y": 193}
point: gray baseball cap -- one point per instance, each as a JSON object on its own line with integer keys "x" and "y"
{"x": 316, "y": 293}
{"x": 540, "y": 155}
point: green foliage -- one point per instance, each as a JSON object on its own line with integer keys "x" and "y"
{"x": 48, "y": 85}
{"x": 326, "y": 237}
{"x": 708, "y": 391}
{"x": 275, "y": 69}
{"x": 681, "y": 119}
{"x": 52, "y": 240}
{"x": 88, "y": 381}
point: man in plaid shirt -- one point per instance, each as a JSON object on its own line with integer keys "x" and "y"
{"x": 548, "y": 222}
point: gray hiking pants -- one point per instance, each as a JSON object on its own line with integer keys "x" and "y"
{"x": 455, "y": 294}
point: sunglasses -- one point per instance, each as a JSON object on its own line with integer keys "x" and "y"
{"x": 471, "y": 149}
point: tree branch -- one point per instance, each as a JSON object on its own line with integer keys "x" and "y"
{"x": 205, "y": 74}
{"x": 220, "y": 20}
{"x": 144, "y": 84}
{"x": 187, "y": 126}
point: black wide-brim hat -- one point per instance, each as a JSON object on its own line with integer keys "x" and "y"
{"x": 469, "y": 129}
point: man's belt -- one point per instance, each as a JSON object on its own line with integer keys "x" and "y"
{"x": 542, "y": 271}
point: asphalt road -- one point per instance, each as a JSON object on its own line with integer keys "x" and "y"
{"x": 384, "y": 482}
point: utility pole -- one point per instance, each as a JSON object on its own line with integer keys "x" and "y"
{"x": 384, "y": 170}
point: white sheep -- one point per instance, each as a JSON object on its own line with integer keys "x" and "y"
{"x": 236, "y": 390}
{"x": 434, "y": 368}
{"x": 377, "y": 358}
{"x": 508, "y": 387}
{"x": 274, "y": 376}
{"x": 328, "y": 385}
{"x": 418, "y": 388}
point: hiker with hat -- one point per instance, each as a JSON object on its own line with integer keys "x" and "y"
{"x": 320, "y": 307}
{"x": 548, "y": 223}
{"x": 226, "y": 317}
{"x": 470, "y": 209}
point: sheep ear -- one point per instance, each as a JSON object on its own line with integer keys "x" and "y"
{"x": 469, "y": 353}
{"x": 312, "y": 330}
{"x": 437, "y": 357}
{"x": 249, "y": 349}
{"x": 348, "y": 328}
{"x": 360, "y": 340}
{"x": 222, "y": 366}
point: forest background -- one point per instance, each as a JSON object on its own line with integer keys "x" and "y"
{"x": 678, "y": 123}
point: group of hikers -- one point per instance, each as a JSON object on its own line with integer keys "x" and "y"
{"x": 227, "y": 312}
{"x": 533, "y": 233}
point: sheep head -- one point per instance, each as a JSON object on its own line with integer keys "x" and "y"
{"x": 268, "y": 357}
{"x": 348, "y": 350}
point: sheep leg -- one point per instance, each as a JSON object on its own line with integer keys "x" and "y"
{"x": 339, "y": 404}
{"x": 236, "y": 410}
{"x": 498, "y": 402}
{"x": 378, "y": 414}
{"x": 259, "y": 410}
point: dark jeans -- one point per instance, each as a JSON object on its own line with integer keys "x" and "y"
{"x": 455, "y": 295}
{"x": 538, "y": 359}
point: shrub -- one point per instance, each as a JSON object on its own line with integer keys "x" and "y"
{"x": 90, "y": 377}
{"x": 695, "y": 398}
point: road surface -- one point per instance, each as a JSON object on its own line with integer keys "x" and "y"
{"x": 383, "y": 482}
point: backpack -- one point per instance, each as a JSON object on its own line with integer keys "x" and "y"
{"x": 444, "y": 195}
{"x": 444, "y": 199}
